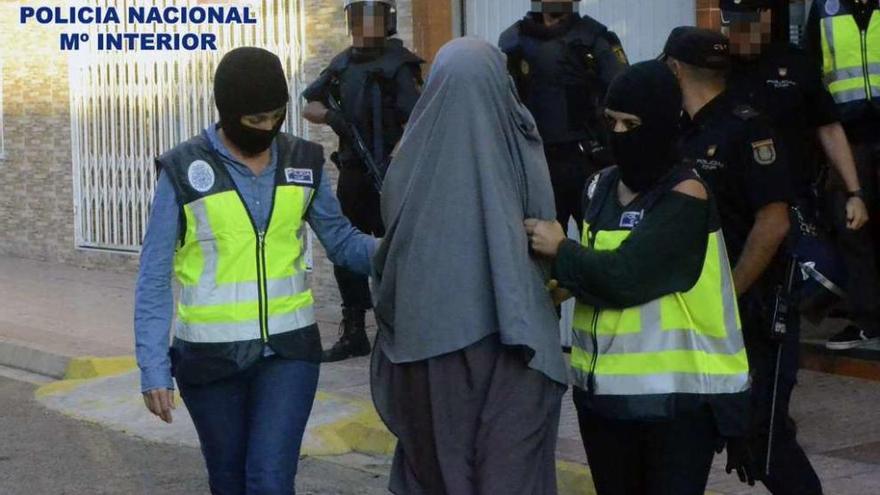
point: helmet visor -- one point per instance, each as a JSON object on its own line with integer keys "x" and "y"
{"x": 555, "y": 6}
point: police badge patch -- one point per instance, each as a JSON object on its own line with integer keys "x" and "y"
{"x": 200, "y": 176}
{"x": 832, "y": 7}
{"x": 764, "y": 152}
{"x": 299, "y": 176}
{"x": 524, "y": 67}
{"x": 712, "y": 150}
{"x": 630, "y": 219}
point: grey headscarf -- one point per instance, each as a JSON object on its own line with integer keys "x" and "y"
{"x": 455, "y": 266}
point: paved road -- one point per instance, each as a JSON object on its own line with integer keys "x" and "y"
{"x": 45, "y": 453}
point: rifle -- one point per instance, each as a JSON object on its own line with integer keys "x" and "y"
{"x": 360, "y": 145}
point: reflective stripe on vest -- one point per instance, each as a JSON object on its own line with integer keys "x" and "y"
{"x": 687, "y": 342}
{"x": 235, "y": 286}
{"x": 851, "y": 58}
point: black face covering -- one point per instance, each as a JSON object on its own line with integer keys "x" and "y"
{"x": 646, "y": 153}
{"x": 250, "y": 139}
{"x": 249, "y": 81}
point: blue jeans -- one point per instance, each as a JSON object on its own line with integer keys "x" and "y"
{"x": 251, "y": 425}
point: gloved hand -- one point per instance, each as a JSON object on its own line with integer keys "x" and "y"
{"x": 739, "y": 459}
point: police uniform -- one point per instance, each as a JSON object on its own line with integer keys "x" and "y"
{"x": 783, "y": 85}
{"x": 734, "y": 149}
{"x": 377, "y": 89}
{"x": 843, "y": 40}
{"x": 562, "y": 73}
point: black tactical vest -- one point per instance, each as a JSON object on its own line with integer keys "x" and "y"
{"x": 358, "y": 84}
{"x": 552, "y": 82}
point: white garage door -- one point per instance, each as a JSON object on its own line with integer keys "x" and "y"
{"x": 642, "y": 25}
{"x": 127, "y": 108}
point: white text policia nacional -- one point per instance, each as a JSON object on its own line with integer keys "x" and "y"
{"x": 137, "y": 15}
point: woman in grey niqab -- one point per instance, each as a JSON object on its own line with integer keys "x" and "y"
{"x": 467, "y": 370}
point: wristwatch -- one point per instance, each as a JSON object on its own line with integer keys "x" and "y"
{"x": 855, "y": 194}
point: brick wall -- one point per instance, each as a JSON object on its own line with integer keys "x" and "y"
{"x": 708, "y": 14}
{"x": 36, "y": 190}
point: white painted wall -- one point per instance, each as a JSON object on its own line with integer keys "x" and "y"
{"x": 642, "y": 25}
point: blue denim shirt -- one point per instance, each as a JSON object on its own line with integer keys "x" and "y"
{"x": 154, "y": 299}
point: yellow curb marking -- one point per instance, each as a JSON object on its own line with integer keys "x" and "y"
{"x": 95, "y": 367}
{"x": 363, "y": 432}
{"x": 574, "y": 479}
{"x": 59, "y": 387}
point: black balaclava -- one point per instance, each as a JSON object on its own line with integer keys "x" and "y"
{"x": 646, "y": 153}
{"x": 249, "y": 80}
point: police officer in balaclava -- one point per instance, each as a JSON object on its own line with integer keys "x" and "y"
{"x": 228, "y": 219}
{"x": 373, "y": 85}
{"x": 563, "y": 63}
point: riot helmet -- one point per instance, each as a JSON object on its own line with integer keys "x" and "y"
{"x": 371, "y": 22}
{"x": 559, "y": 7}
{"x": 822, "y": 269}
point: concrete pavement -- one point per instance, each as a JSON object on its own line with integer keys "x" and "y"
{"x": 56, "y": 314}
{"x": 46, "y": 453}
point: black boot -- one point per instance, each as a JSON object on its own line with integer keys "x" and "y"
{"x": 353, "y": 341}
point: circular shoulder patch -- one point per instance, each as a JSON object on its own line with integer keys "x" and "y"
{"x": 832, "y": 7}
{"x": 200, "y": 176}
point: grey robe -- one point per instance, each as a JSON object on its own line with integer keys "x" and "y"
{"x": 455, "y": 265}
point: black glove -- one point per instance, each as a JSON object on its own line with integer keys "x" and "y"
{"x": 739, "y": 459}
{"x": 336, "y": 121}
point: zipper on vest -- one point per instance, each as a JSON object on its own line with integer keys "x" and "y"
{"x": 263, "y": 300}
{"x": 262, "y": 297}
{"x": 867, "y": 74}
{"x": 594, "y": 335}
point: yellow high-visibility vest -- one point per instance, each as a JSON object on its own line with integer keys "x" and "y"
{"x": 683, "y": 343}
{"x": 850, "y": 56}
{"x": 239, "y": 283}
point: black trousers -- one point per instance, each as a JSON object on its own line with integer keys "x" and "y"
{"x": 790, "y": 470}
{"x": 648, "y": 458}
{"x": 360, "y": 203}
{"x": 859, "y": 248}
{"x": 570, "y": 167}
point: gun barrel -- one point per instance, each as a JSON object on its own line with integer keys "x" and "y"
{"x": 360, "y": 146}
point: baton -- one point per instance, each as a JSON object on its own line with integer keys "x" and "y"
{"x": 778, "y": 332}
